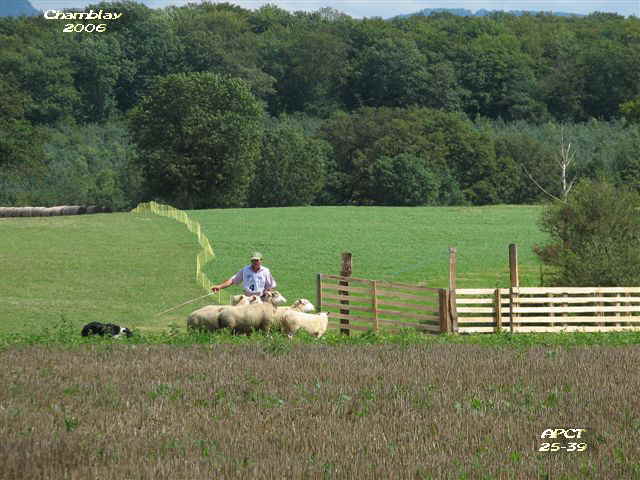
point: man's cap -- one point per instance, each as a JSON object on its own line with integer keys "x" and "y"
{"x": 256, "y": 256}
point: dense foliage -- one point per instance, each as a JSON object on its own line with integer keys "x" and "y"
{"x": 418, "y": 110}
{"x": 199, "y": 137}
{"x": 595, "y": 237}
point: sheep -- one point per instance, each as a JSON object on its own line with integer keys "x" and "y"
{"x": 300, "y": 305}
{"x": 246, "y": 318}
{"x": 245, "y": 299}
{"x": 273, "y": 295}
{"x": 206, "y": 318}
{"x": 314, "y": 323}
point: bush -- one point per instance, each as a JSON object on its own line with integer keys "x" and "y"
{"x": 595, "y": 237}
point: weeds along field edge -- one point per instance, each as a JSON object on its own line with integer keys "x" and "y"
{"x": 127, "y": 410}
{"x": 64, "y": 334}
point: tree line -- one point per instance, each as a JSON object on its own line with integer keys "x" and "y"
{"x": 212, "y": 105}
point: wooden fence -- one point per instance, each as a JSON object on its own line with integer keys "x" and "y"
{"x": 361, "y": 304}
{"x": 548, "y": 309}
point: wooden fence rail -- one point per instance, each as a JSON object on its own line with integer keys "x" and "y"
{"x": 548, "y": 309}
{"x": 362, "y": 304}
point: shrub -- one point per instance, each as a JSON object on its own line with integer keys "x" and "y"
{"x": 595, "y": 237}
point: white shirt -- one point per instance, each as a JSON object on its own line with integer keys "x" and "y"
{"x": 254, "y": 283}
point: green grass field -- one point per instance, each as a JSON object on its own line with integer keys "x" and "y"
{"x": 125, "y": 268}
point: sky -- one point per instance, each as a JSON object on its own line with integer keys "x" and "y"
{"x": 389, "y": 8}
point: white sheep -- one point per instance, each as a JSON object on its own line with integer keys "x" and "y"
{"x": 246, "y": 318}
{"x": 245, "y": 299}
{"x": 273, "y": 296}
{"x": 206, "y": 318}
{"x": 314, "y": 323}
{"x": 300, "y": 305}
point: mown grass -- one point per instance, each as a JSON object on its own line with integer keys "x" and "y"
{"x": 311, "y": 411}
{"x": 119, "y": 268}
{"x": 402, "y": 244}
{"x": 125, "y": 268}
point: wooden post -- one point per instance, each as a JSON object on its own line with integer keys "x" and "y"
{"x": 374, "y": 295}
{"x": 453, "y": 306}
{"x": 319, "y": 292}
{"x": 443, "y": 296}
{"x": 515, "y": 283}
{"x": 600, "y": 311}
{"x": 498, "y": 310}
{"x": 346, "y": 270}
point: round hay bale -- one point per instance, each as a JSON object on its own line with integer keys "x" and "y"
{"x": 38, "y": 211}
{"x": 4, "y": 211}
{"x": 55, "y": 211}
{"x": 70, "y": 209}
{"x": 92, "y": 209}
{"x": 24, "y": 212}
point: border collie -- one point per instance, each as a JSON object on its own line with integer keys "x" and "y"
{"x": 97, "y": 328}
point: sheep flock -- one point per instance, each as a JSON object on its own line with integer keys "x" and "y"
{"x": 248, "y": 313}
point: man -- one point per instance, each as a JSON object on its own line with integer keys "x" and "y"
{"x": 256, "y": 279}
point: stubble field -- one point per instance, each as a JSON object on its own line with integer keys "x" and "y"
{"x": 312, "y": 411}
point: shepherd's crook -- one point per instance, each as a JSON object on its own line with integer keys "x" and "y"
{"x": 188, "y": 301}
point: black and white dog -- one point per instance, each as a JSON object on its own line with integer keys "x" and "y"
{"x": 97, "y": 328}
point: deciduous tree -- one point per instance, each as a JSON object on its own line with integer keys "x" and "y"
{"x": 199, "y": 137}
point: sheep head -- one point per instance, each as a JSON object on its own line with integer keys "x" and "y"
{"x": 275, "y": 297}
{"x": 245, "y": 299}
{"x": 303, "y": 305}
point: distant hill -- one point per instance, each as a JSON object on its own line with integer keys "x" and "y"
{"x": 17, "y": 8}
{"x": 463, "y": 12}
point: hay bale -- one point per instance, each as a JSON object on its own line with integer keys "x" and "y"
{"x": 38, "y": 211}
{"x": 55, "y": 211}
{"x": 24, "y": 212}
{"x": 72, "y": 210}
{"x": 5, "y": 211}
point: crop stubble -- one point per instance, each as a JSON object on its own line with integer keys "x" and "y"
{"x": 437, "y": 411}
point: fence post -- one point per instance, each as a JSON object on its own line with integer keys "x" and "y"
{"x": 319, "y": 292}
{"x": 515, "y": 282}
{"x": 443, "y": 296}
{"x": 374, "y": 294}
{"x": 498, "y": 310}
{"x": 453, "y": 306}
{"x": 345, "y": 271}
